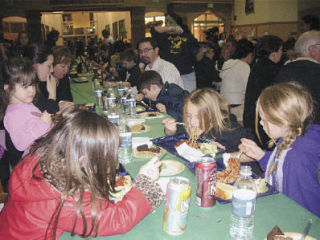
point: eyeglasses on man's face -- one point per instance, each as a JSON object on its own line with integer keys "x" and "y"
{"x": 145, "y": 50}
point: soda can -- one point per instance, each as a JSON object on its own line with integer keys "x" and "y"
{"x": 177, "y": 206}
{"x": 206, "y": 178}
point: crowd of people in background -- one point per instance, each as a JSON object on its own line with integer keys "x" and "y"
{"x": 223, "y": 86}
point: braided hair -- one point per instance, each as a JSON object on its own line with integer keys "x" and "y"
{"x": 289, "y": 106}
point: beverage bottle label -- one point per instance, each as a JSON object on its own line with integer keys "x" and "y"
{"x": 243, "y": 202}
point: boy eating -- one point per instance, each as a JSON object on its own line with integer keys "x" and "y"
{"x": 167, "y": 98}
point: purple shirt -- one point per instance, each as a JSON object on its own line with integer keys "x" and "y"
{"x": 22, "y": 124}
{"x": 300, "y": 166}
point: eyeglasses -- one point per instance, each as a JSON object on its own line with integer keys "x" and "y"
{"x": 145, "y": 50}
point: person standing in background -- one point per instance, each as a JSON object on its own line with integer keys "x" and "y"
{"x": 234, "y": 74}
{"x": 263, "y": 73}
{"x": 178, "y": 46}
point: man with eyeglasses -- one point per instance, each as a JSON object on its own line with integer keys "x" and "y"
{"x": 149, "y": 54}
{"x": 306, "y": 68}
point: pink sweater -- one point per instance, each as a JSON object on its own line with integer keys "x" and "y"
{"x": 22, "y": 124}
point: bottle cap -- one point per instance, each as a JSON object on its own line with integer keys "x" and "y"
{"x": 246, "y": 170}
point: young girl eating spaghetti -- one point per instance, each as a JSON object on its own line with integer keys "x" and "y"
{"x": 286, "y": 112}
{"x": 206, "y": 113}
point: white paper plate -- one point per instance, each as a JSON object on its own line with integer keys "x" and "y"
{"x": 171, "y": 168}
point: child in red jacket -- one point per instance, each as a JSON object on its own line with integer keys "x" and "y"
{"x": 68, "y": 183}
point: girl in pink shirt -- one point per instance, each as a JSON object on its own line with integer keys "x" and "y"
{"x": 23, "y": 121}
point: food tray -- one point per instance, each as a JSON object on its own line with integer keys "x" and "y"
{"x": 169, "y": 142}
{"x": 272, "y": 190}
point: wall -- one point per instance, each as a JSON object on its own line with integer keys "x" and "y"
{"x": 81, "y": 19}
{"x": 105, "y": 18}
{"x": 270, "y": 16}
{"x": 53, "y": 20}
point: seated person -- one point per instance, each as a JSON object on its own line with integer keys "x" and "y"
{"x": 207, "y": 112}
{"x": 68, "y": 185}
{"x": 286, "y": 112}
{"x": 129, "y": 61}
{"x": 167, "y": 98}
{"x": 61, "y": 65}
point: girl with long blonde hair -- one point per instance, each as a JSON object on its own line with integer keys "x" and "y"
{"x": 286, "y": 112}
{"x": 208, "y": 112}
{"x": 68, "y": 181}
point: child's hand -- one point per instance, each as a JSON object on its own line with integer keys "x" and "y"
{"x": 161, "y": 107}
{"x": 52, "y": 87}
{"x": 170, "y": 126}
{"x": 251, "y": 149}
{"x": 46, "y": 118}
{"x": 139, "y": 97}
{"x": 66, "y": 106}
{"x": 218, "y": 145}
{"x": 151, "y": 169}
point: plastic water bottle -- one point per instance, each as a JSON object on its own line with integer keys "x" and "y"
{"x": 243, "y": 206}
{"x": 125, "y": 148}
{"x": 99, "y": 101}
{"x": 130, "y": 104}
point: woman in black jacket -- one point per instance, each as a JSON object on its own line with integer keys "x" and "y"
{"x": 262, "y": 75}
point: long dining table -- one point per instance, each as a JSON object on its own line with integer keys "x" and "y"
{"x": 211, "y": 223}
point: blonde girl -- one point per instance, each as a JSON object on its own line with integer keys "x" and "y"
{"x": 67, "y": 181}
{"x": 286, "y": 112}
{"x": 207, "y": 112}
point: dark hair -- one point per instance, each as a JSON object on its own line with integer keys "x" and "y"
{"x": 119, "y": 46}
{"x": 79, "y": 155}
{"x": 105, "y": 33}
{"x": 16, "y": 70}
{"x": 231, "y": 39}
{"x": 312, "y": 21}
{"x": 53, "y": 35}
{"x": 37, "y": 53}
{"x": 19, "y": 37}
{"x": 267, "y": 45}
{"x": 149, "y": 78}
{"x": 244, "y": 48}
{"x": 150, "y": 40}
{"x": 128, "y": 55}
{"x": 289, "y": 44}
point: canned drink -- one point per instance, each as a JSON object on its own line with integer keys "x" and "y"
{"x": 177, "y": 206}
{"x": 206, "y": 178}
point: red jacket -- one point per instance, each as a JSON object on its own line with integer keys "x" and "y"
{"x": 31, "y": 204}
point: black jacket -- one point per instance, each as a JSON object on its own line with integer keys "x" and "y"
{"x": 172, "y": 96}
{"x": 306, "y": 73}
{"x": 261, "y": 76}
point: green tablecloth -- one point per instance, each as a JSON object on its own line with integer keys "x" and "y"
{"x": 210, "y": 223}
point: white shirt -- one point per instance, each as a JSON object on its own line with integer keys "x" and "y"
{"x": 234, "y": 75}
{"x": 168, "y": 72}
